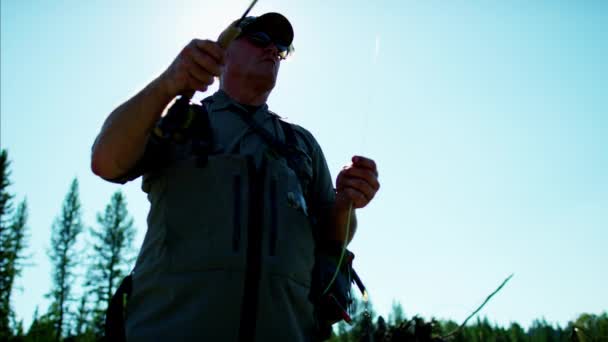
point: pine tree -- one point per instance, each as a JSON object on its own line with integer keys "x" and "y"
{"x": 83, "y": 331}
{"x": 5, "y": 197}
{"x": 63, "y": 256}
{"x": 113, "y": 248}
{"x": 12, "y": 245}
{"x": 381, "y": 330}
{"x": 5, "y": 212}
{"x": 82, "y": 316}
{"x": 18, "y": 242}
{"x": 396, "y": 316}
{"x": 343, "y": 334}
{"x": 516, "y": 333}
{"x": 41, "y": 329}
{"x": 363, "y": 315}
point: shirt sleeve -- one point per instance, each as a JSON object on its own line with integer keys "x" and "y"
{"x": 321, "y": 192}
{"x": 155, "y": 153}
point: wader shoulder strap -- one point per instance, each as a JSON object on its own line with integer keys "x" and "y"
{"x": 201, "y": 133}
{"x": 290, "y": 134}
{"x": 287, "y": 150}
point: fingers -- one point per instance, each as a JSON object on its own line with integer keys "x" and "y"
{"x": 360, "y": 186}
{"x": 358, "y": 183}
{"x": 195, "y": 67}
{"x": 354, "y": 197}
{"x": 213, "y": 49}
{"x": 364, "y": 162}
{"x": 195, "y": 84}
{"x": 367, "y": 175}
{"x": 200, "y": 76}
{"x": 206, "y": 55}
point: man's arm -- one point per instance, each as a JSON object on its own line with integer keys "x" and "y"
{"x": 124, "y": 134}
{"x": 356, "y": 186}
{"x": 337, "y": 224}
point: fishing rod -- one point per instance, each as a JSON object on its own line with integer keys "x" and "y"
{"x": 225, "y": 38}
{"x": 230, "y": 33}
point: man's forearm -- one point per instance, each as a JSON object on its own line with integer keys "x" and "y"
{"x": 124, "y": 134}
{"x": 338, "y": 222}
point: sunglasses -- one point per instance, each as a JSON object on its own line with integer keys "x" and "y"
{"x": 263, "y": 40}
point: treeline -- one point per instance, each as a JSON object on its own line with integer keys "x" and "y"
{"x": 367, "y": 328}
{"x": 88, "y": 264}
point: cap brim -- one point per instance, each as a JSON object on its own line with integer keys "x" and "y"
{"x": 274, "y": 24}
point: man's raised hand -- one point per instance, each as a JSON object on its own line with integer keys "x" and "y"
{"x": 194, "y": 68}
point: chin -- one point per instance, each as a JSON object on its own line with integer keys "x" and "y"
{"x": 265, "y": 82}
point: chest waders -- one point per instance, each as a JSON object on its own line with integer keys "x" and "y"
{"x": 229, "y": 249}
{"x": 253, "y": 262}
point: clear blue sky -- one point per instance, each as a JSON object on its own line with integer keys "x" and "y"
{"x": 488, "y": 121}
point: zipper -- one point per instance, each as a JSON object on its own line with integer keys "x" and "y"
{"x": 272, "y": 245}
{"x": 236, "y": 234}
{"x": 249, "y": 306}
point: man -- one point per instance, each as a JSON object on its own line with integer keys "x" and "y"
{"x": 231, "y": 231}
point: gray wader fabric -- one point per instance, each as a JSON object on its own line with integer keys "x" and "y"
{"x": 201, "y": 275}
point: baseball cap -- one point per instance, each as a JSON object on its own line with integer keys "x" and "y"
{"x": 272, "y": 23}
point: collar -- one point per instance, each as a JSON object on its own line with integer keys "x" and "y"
{"x": 221, "y": 101}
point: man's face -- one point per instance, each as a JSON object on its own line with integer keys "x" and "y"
{"x": 247, "y": 60}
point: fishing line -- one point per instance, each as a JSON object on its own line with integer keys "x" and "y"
{"x": 370, "y": 93}
{"x": 365, "y": 295}
{"x": 350, "y": 208}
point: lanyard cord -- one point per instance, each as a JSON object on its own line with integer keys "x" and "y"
{"x": 333, "y": 278}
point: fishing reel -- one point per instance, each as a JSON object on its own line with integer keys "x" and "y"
{"x": 176, "y": 124}
{"x": 330, "y": 291}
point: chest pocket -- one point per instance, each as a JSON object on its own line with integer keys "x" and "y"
{"x": 206, "y": 214}
{"x": 290, "y": 239}
{"x": 301, "y": 180}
